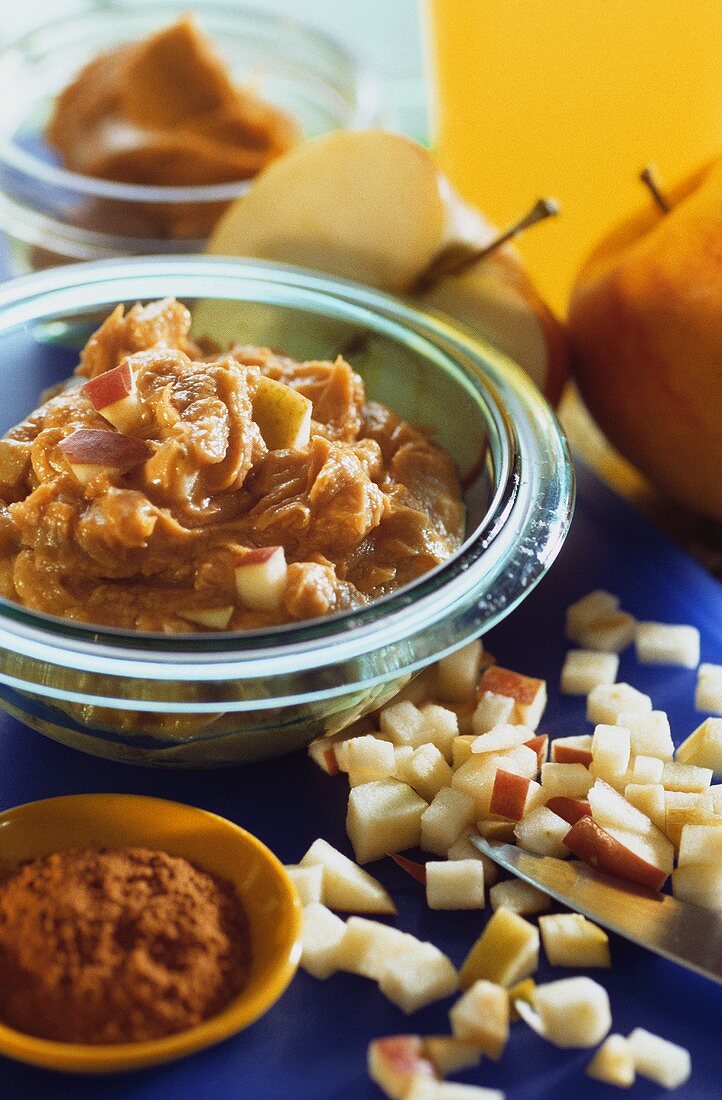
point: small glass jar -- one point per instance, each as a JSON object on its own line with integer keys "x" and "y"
{"x": 201, "y": 699}
{"x": 52, "y": 216}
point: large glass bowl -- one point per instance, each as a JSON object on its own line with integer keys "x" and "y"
{"x": 50, "y": 215}
{"x": 221, "y": 699}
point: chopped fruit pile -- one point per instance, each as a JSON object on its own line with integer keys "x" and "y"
{"x": 458, "y": 753}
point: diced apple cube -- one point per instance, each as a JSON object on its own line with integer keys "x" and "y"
{"x": 325, "y": 751}
{"x": 613, "y": 1063}
{"x": 443, "y": 727}
{"x": 662, "y": 644}
{"x": 383, "y": 816}
{"x": 397, "y": 1060}
{"x": 404, "y": 724}
{"x": 647, "y": 769}
{"x": 649, "y": 732}
{"x": 584, "y": 669}
{"x": 459, "y": 672}
{"x": 571, "y": 1013}
{"x": 422, "y": 1089}
{"x": 367, "y": 944}
{"x": 283, "y": 415}
{"x": 588, "y": 610}
{"x": 461, "y": 749}
{"x": 368, "y": 758}
{"x": 528, "y": 693}
{"x": 501, "y": 832}
{"x": 649, "y": 799}
{"x": 308, "y": 882}
{"x": 455, "y": 884}
{"x": 322, "y": 933}
{"x": 210, "y": 618}
{"x": 701, "y": 844}
{"x": 91, "y": 452}
{"x": 700, "y": 884}
{"x": 570, "y": 809}
{"x": 572, "y": 750}
{"x": 450, "y": 1055}
{"x": 568, "y": 780}
{"x": 540, "y": 745}
{"x": 686, "y": 777}
{"x": 616, "y": 853}
{"x": 606, "y": 702}
{"x": 417, "y": 977}
{"x": 708, "y": 691}
{"x": 506, "y": 952}
{"x": 426, "y": 771}
{"x": 402, "y": 754}
{"x": 609, "y": 633}
{"x": 663, "y": 1062}
{"x": 114, "y": 395}
{"x": 570, "y": 939}
{"x": 500, "y": 738}
{"x": 514, "y": 796}
{"x": 611, "y": 747}
{"x": 685, "y": 808}
{"x": 703, "y": 746}
{"x": 519, "y": 897}
{"x": 481, "y": 1017}
{"x": 445, "y": 819}
{"x": 464, "y": 849}
{"x": 543, "y": 832}
{"x": 492, "y": 710}
{"x": 609, "y": 807}
{"x": 476, "y": 776}
{"x": 345, "y": 885}
{"x": 261, "y": 578}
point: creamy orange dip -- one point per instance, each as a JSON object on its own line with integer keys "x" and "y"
{"x": 170, "y": 490}
{"x": 166, "y": 112}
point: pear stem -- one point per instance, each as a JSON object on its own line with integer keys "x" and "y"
{"x": 649, "y": 179}
{"x": 457, "y": 258}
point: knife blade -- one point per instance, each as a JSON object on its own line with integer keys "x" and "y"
{"x": 684, "y": 933}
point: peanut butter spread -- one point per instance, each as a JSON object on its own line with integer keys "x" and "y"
{"x": 165, "y": 111}
{"x": 164, "y": 489}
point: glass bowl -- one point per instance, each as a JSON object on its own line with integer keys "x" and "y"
{"x": 218, "y": 699}
{"x": 52, "y": 216}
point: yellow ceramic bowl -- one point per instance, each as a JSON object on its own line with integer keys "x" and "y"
{"x": 217, "y": 845}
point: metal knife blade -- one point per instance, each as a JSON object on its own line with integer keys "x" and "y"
{"x": 679, "y": 931}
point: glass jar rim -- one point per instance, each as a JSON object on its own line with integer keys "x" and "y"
{"x": 365, "y": 105}
{"x": 535, "y": 488}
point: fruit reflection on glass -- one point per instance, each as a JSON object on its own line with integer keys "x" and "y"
{"x": 373, "y": 207}
{"x": 571, "y": 98}
{"x": 646, "y": 324}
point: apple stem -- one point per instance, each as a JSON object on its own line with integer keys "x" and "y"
{"x": 649, "y": 179}
{"x": 458, "y": 257}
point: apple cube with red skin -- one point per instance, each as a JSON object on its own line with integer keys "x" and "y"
{"x": 115, "y": 396}
{"x": 572, "y": 750}
{"x": 261, "y": 578}
{"x": 605, "y": 853}
{"x": 540, "y": 745}
{"x": 91, "y": 452}
{"x": 570, "y": 809}
{"x": 394, "y": 1061}
{"x": 514, "y": 796}
{"x": 529, "y": 694}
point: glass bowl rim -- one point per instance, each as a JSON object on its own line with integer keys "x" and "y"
{"x": 365, "y": 89}
{"x": 246, "y": 655}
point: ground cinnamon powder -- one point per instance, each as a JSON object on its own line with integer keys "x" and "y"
{"x": 117, "y": 946}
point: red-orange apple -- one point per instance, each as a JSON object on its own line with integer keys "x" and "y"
{"x": 394, "y": 1061}
{"x": 540, "y": 745}
{"x": 91, "y": 452}
{"x": 416, "y": 870}
{"x": 528, "y": 693}
{"x": 645, "y": 319}
{"x": 513, "y": 796}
